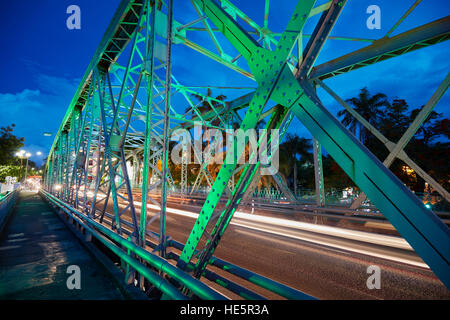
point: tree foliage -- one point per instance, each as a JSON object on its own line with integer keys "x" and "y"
{"x": 9, "y": 171}
{"x": 428, "y": 147}
{"x": 9, "y": 145}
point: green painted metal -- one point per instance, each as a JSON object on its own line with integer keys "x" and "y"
{"x": 266, "y": 283}
{"x": 100, "y": 121}
{"x": 104, "y": 44}
{"x": 151, "y": 276}
{"x": 382, "y": 187}
{"x": 199, "y": 288}
{"x": 318, "y": 172}
{"x": 268, "y": 68}
{"x": 150, "y": 45}
{"x": 385, "y": 190}
{"x": 386, "y": 48}
{"x": 165, "y": 149}
{"x": 245, "y": 180}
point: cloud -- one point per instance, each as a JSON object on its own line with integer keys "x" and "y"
{"x": 55, "y": 85}
{"x": 38, "y": 110}
{"x": 14, "y": 104}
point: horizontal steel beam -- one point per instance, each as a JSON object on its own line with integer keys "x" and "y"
{"x": 386, "y": 48}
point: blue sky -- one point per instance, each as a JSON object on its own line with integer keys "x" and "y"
{"x": 42, "y": 62}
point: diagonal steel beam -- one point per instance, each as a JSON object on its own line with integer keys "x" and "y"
{"x": 387, "y": 143}
{"x": 319, "y": 37}
{"x": 245, "y": 180}
{"x": 269, "y": 69}
{"x": 410, "y": 132}
{"x": 407, "y": 13}
{"x": 149, "y": 69}
{"x": 424, "y": 231}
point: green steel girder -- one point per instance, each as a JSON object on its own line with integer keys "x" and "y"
{"x": 429, "y": 34}
{"x": 269, "y": 68}
{"x": 125, "y": 19}
{"x": 419, "y": 226}
{"x": 124, "y": 15}
{"x": 107, "y": 157}
{"x": 274, "y": 72}
{"x": 165, "y": 149}
{"x": 150, "y": 45}
{"x": 248, "y": 174}
{"x": 318, "y": 173}
{"x": 319, "y": 37}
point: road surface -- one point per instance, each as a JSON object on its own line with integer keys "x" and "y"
{"x": 331, "y": 268}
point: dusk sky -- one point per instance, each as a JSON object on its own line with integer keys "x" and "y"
{"x": 42, "y": 62}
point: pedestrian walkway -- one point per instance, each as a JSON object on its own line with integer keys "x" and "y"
{"x": 36, "y": 248}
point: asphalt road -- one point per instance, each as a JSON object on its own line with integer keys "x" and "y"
{"x": 323, "y": 269}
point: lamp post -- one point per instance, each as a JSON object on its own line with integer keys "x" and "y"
{"x": 27, "y": 155}
{"x": 20, "y": 155}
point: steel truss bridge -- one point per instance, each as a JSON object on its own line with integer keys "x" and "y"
{"x": 109, "y": 172}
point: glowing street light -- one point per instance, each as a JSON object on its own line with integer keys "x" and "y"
{"x": 22, "y": 154}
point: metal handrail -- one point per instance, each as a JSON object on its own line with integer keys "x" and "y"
{"x": 95, "y": 228}
{"x": 6, "y": 204}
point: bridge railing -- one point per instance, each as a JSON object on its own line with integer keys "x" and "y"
{"x": 114, "y": 242}
{"x": 334, "y": 198}
{"x": 7, "y": 202}
{"x": 134, "y": 255}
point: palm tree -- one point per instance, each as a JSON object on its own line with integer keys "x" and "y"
{"x": 292, "y": 147}
{"x": 432, "y": 127}
{"x": 369, "y": 107}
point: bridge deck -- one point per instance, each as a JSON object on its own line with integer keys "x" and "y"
{"x": 36, "y": 249}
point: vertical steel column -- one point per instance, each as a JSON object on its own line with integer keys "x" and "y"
{"x": 318, "y": 175}
{"x": 61, "y": 163}
{"x": 184, "y": 163}
{"x": 162, "y": 218}
{"x": 149, "y": 69}
{"x": 79, "y": 135}
{"x": 87, "y": 152}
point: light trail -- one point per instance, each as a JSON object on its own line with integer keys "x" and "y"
{"x": 269, "y": 224}
{"x": 320, "y": 234}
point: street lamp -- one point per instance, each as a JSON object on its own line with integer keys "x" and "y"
{"x": 22, "y": 154}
